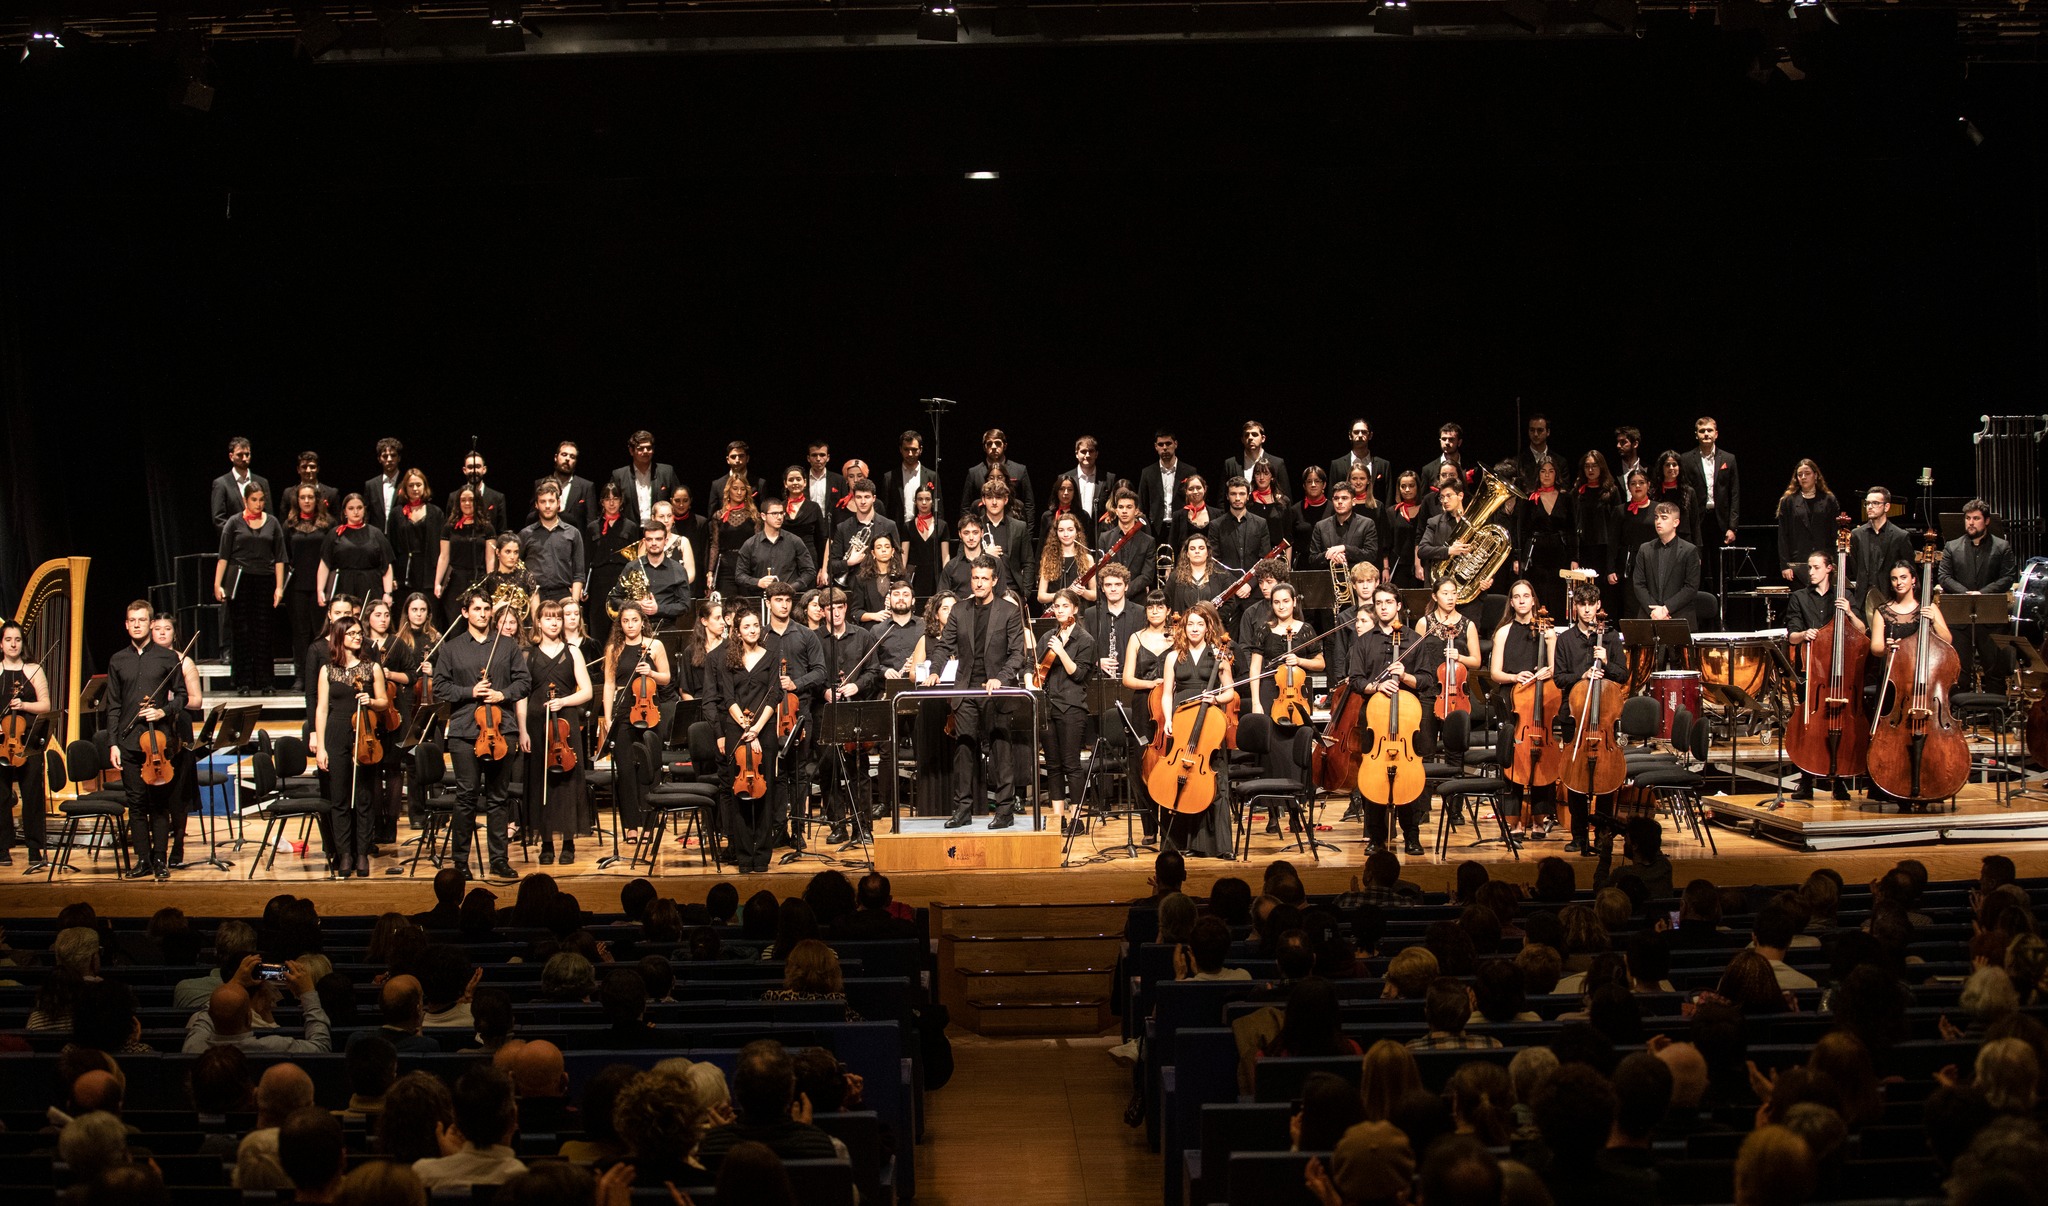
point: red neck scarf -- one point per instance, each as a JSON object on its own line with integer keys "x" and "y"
{"x": 795, "y": 501}
{"x": 1542, "y": 490}
{"x": 349, "y": 527}
{"x": 1191, "y": 508}
{"x": 1407, "y": 509}
{"x": 682, "y": 514}
{"x": 726, "y": 515}
{"x": 463, "y": 521}
{"x": 1635, "y": 508}
{"x": 924, "y": 525}
{"x": 606, "y": 522}
{"x": 252, "y": 517}
{"x": 845, "y": 502}
{"x": 1264, "y": 496}
{"x": 413, "y": 508}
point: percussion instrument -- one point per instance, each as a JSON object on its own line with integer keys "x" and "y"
{"x": 2030, "y": 598}
{"x": 1736, "y": 659}
{"x": 1675, "y": 689}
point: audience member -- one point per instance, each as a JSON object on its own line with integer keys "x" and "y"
{"x": 283, "y": 1090}
{"x": 764, "y": 1091}
{"x": 487, "y": 1119}
{"x": 311, "y": 1154}
{"x": 229, "y": 1015}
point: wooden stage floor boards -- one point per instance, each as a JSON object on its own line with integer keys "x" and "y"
{"x": 1105, "y": 872}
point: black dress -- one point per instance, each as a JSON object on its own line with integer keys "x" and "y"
{"x": 1544, "y": 546}
{"x": 752, "y": 689}
{"x": 1632, "y": 530}
{"x": 564, "y": 806}
{"x": 1145, "y": 667}
{"x": 1300, "y": 525}
{"x": 920, "y": 551}
{"x": 606, "y": 562}
{"x": 27, "y": 778}
{"x": 1180, "y": 596}
{"x": 627, "y": 737}
{"x": 356, "y": 559}
{"x": 305, "y": 545}
{"x": 415, "y": 535}
{"x": 352, "y": 830}
{"x": 1594, "y": 544}
{"x": 1206, "y": 833}
{"x": 1403, "y": 532}
{"x": 1805, "y": 526}
{"x": 732, "y": 531}
{"x": 467, "y": 562}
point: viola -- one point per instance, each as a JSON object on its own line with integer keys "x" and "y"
{"x": 1826, "y": 734}
{"x": 789, "y": 709}
{"x": 1290, "y": 694}
{"x": 747, "y": 780}
{"x": 490, "y": 742}
{"x": 1597, "y": 764}
{"x": 1455, "y": 692}
{"x": 1917, "y": 751}
{"x": 1155, "y": 704}
{"x": 1391, "y": 772}
{"x": 1537, "y": 755}
{"x": 644, "y": 713}
{"x": 159, "y": 751}
{"x": 1047, "y": 662}
{"x": 369, "y": 750}
{"x": 561, "y": 750}
{"x": 14, "y": 730}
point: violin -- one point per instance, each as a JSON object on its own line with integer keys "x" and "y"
{"x": 561, "y": 750}
{"x": 1391, "y": 772}
{"x": 1537, "y": 754}
{"x": 747, "y": 780}
{"x": 1825, "y": 735}
{"x": 644, "y": 713}
{"x": 789, "y": 709}
{"x": 1290, "y": 692}
{"x": 1917, "y": 751}
{"x": 1597, "y": 764}
{"x": 1183, "y": 779}
{"x": 1047, "y": 662}
{"x": 1455, "y": 693}
{"x": 14, "y": 730}
{"x": 490, "y": 742}
{"x": 369, "y": 750}
{"x": 159, "y": 750}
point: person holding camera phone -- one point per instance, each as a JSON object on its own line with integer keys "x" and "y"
{"x": 227, "y": 1020}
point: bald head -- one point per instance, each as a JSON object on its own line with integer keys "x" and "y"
{"x": 228, "y": 1008}
{"x": 538, "y": 1070}
{"x": 401, "y": 1005}
{"x": 283, "y": 1088}
{"x": 96, "y": 1091}
{"x": 1688, "y": 1074}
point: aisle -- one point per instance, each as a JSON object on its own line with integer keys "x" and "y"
{"x": 1034, "y": 1122}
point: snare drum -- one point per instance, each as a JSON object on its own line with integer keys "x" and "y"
{"x": 1676, "y": 689}
{"x": 2030, "y": 598}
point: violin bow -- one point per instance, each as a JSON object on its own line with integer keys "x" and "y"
{"x": 161, "y": 684}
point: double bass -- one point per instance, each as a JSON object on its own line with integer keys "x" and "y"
{"x": 1537, "y": 755}
{"x": 1597, "y": 764}
{"x": 1391, "y": 772}
{"x": 1825, "y": 735}
{"x": 1917, "y": 751}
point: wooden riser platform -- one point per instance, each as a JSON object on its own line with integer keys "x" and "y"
{"x": 925, "y": 844}
{"x": 1822, "y": 824}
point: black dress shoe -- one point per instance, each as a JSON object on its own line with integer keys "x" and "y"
{"x": 958, "y": 819}
{"x": 1373, "y": 847}
{"x": 362, "y": 871}
{"x": 1841, "y": 793}
{"x": 840, "y": 835}
{"x": 1003, "y": 820}
{"x": 163, "y": 873}
{"x": 1805, "y": 792}
{"x": 547, "y": 856}
{"x": 568, "y": 851}
{"x": 1412, "y": 849}
{"x": 140, "y": 871}
{"x": 503, "y": 871}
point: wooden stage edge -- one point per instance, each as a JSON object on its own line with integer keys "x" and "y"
{"x": 1950, "y": 850}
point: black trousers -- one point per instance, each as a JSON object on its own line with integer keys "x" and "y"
{"x": 480, "y": 781}
{"x": 748, "y": 823}
{"x": 250, "y": 611}
{"x": 978, "y": 725}
{"x": 1603, "y": 804}
{"x": 149, "y": 811}
{"x": 1974, "y": 650}
{"x": 1379, "y": 822}
{"x": 842, "y": 774}
{"x": 353, "y": 830}
{"x": 1064, "y": 728}
{"x": 626, "y": 789}
{"x": 26, "y": 783}
{"x": 304, "y": 615}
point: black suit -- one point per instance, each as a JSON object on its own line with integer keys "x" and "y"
{"x": 1340, "y": 471}
{"x": 836, "y": 488}
{"x": 1021, "y": 500}
{"x": 579, "y": 501}
{"x": 227, "y": 498}
{"x": 1467, "y": 470}
{"x": 716, "y": 499}
{"x": 1000, "y": 650}
{"x": 1665, "y": 575}
{"x": 1106, "y": 484}
{"x": 663, "y": 480}
{"x": 1152, "y": 502}
{"x": 1727, "y": 493}
{"x": 891, "y": 501}
{"x": 374, "y": 512}
{"x": 1986, "y": 567}
{"x": 1235, "y": 467}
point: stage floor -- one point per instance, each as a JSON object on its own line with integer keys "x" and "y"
{"x": 1951, "y": 844}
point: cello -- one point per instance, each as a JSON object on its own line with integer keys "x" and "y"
{"x": 1391, "y": 772}
{"x": 1597, "y": 764}
{"x": 1917, "y": 751}
{"x": 1183, "y": 779}
{"x": 1537, "y": 754}
{"x": 1825, "y": 735}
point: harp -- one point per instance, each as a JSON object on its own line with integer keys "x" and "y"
{"x": 52, "y": 617}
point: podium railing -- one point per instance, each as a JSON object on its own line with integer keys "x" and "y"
{"x": 908, "y": 701}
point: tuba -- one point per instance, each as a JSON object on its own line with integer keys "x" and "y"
{"x": 632, "y": 588}
{"x": 1490, "y": 542}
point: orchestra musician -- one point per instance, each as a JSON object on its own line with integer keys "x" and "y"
{"x": 1807, "y": 610}
{"x": 1710, "y": 471}
{"x": 1594, "y": 545}
{"x": 553, "y": 548}
{"x": 1144, "y": 661}
{"x": 925, "y": 537}
{"x": 1665, "y": 580}
{"x": 1536, "y": 452}
{"x": 1065, "y": 501}
{"x": 1806, "y": 520}
{"x": 957, "y": 574}
{"x": 901, "y": 484}
{"x": 1345, "y": 536}
{"x": 1139, "y": 554}
{"x": 253, "y": 552}
{"x": 1064, "y": 559}
{"x": 477, "y": 667}
{"x": 380, "y": 646}
{"x": 561, "y": 688}
{"x": 1253, "y": 611}
{"x": 1194, "y": 574}
{"x": 232, "y": 487}
{"x": 738, "y": 462}
{"x": 800, "y": 667}
{"x": 414, "y": 532}
{"x": 694, "y": 666}
{"x": 350, "y": 683}
{"x": 1252, "y": 450}
{"x": 632, "y": 653}
{"x": 607, "y": 538}
{"x": 1073, "y": 654}
{"x": 1238, "y": 537}
{"x": 163, "y": 629}
{"x": 1451, "y": 632}
{"x": 1304, "y": 513}
{"x": 1163, "y": 485}
{"x": 1978, "y": 563}
{"x": 24, "y": 691}
{"x": 746, "y": 674}
{"x": 405, "y": 666}
{"x": 1545, "y": 528}
{"x": 1005, "y": 537}
{"x": 1113, "y": 618}
{"x": 490, "y": 504}
{"x": 1522, "y": 655}
{"x": 1199, "y": 662}
{"x": 692, "y": 529}
{"x": 1374, "y": 665}
{"x": 1192, "y": 516}
{"x": 575, "y": 494}
{"x": 641, "y": 480}
{"x": 1282, "y": 632}
{"x": 1450, "y": 443}
{"x": 867, "y": 588}
{"x": 1628, "y": 444}
{"x": 1668, "y": 484}
{"x": 1405, "y": 521}
{"x": 305, "y": 533}
{"x": 356, "y": 560}
{"x": 854, "y": 534}
{"x": 929, "y": 738}
{"x": 771, "y": 554}
{"x": 826, "y": 490}
{"x": 380, "y": 492}
{"x": 985, "y": 634}
{"x": 145, "y": 687}
{"x": 997, "y": 467}
{"x": 1892, "y": 621}
{"x": 898, "y": 630}
{"x": 1440, "y": 536}
{"x": 512, "y": 581}
{"x": 1584, "y": 652}
{"x": 1874, "y": 547}
{"x": 469, "y": 554}
{"x": 737, "y": 521}
{"x": 314, "y": 657}
{"x": 1634, "y": 525}
{"x": 309, "y": 475}
{"x": 1092, "y": 487}
{"x": 802, "y": 517}
{"x": 849, "y": 674}
{"x": 1377, "y": 467}
{"x": 667, "y": 583}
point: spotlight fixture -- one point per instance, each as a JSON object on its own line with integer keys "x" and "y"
{"x": 1394, "y": 17}
{"x": 506, "y": 35}
{"x": 1970, "y": 131}
{"x": 938, "y": 21}
{"x": 317, "y": 31}
{"x": 984, "y": 175}
{"x": 45, "y": 32}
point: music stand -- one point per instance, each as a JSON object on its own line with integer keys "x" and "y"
{"x": 1656, "y": 636}
{"x": 236, "y": 731}
{"x": 857, "y": 721}
{"x": 1417, "y": 601}
{"x": 2030, "y": 663}
{"x": 1313, "y": 588}
{"x": 1973, "y": 611}
{"x": 1129, "y": 847}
